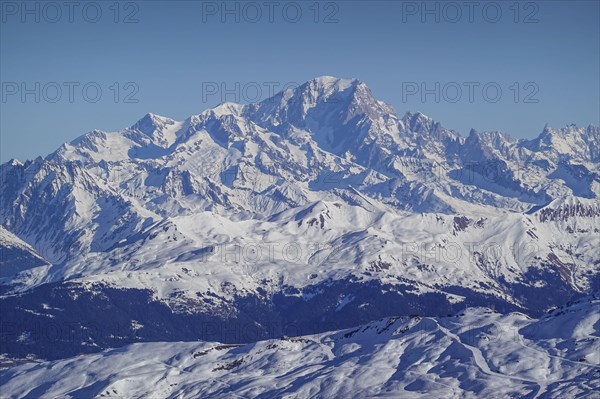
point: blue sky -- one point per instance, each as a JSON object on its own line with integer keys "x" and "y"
{"x": 544, "y": 59}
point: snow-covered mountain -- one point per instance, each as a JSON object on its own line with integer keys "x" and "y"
{"x": 318, "y": 207}
{"x": 477, "y": 353}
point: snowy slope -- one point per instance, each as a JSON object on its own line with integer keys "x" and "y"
{"x": 477, "y": 353}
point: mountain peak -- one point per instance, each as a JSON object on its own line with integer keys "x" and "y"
{"x": 331, "y": 81}
{"x": 150, "y": 123}
{"x": 226, "y": 108}
{"x": 418, "y": 122}
{"x": 417, "y": 117}
{"x": 326, "y": 89}
{"x": 495, "y": 135}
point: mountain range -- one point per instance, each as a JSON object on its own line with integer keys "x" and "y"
{"x": 316, "y": 210}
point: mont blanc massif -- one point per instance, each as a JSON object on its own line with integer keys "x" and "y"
{"x": 313, "y": 244}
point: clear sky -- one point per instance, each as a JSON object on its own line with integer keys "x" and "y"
{"x": 178, "y": 58}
